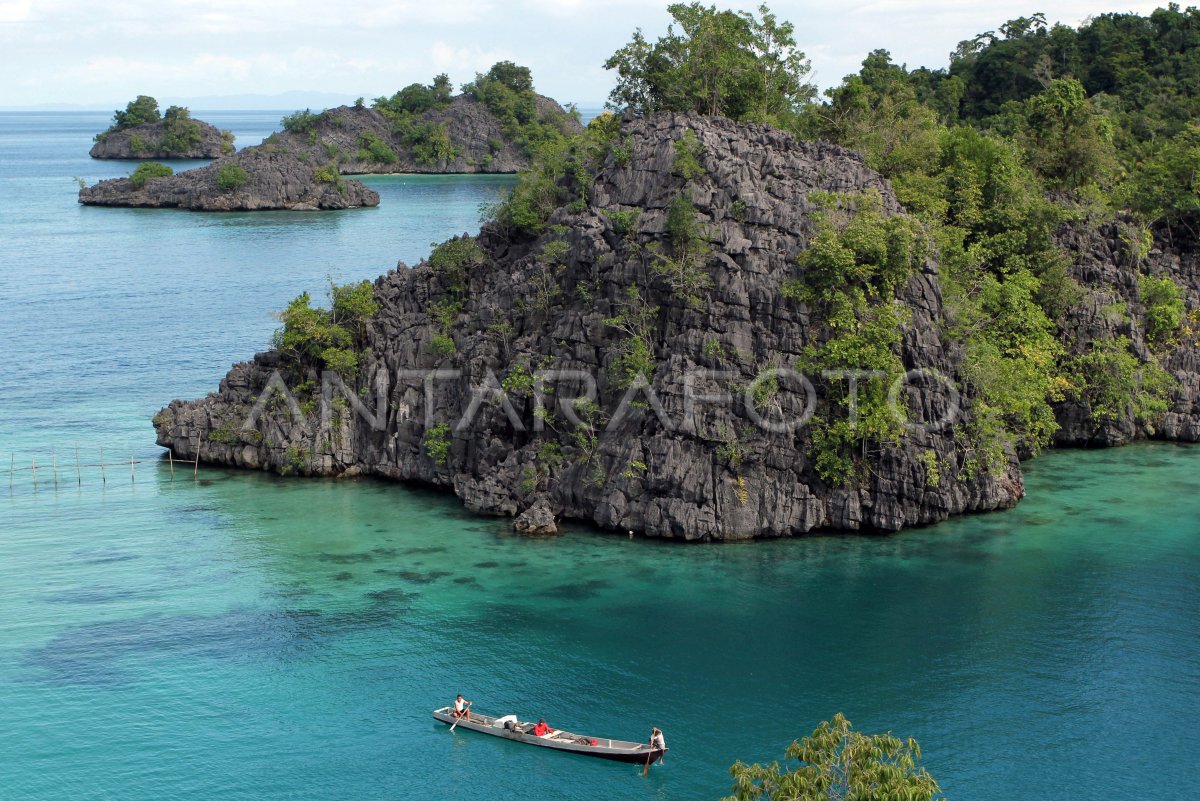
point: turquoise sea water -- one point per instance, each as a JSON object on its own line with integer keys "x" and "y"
{"x": 247, "y": 637}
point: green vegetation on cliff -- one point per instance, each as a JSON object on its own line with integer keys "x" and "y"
{"x": 140, "y": 111}
{"x": 735, "y": 64}
{"x": 180, "y": 134}
{"x": 836, "y": 762}
{"x": 327, "y": 337}
{"x": 1030, "y": 130}
{"x": 147, "y": 171}
{"x": 507, "y": 90}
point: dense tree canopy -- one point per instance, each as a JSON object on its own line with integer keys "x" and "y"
{"x": 735, "y": 64}
{"x": 142, "y": 110}
{"x": 417, "y": 98}
{"x": 836, "y": 762}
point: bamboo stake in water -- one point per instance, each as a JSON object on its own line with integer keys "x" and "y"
{"x": 78, "y": 472}
{"x": 131, "y": 477}
{"x": 54, "y": 466}
{"x": 196, "y": 457}
{"x": 35, "y": 474}
{"x": 171, "y": 461}
{"x": 12, "y": 463}
{"x": 103, "y": 478}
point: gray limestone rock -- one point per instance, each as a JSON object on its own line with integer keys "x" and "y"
{"x": 146, "y": 142}
{"x": 1108, "y": 270}
{"x": 274, "y": 180}
{"x": 476, "y": 135}
{"x": 537, "y": 520}
{"x": 681, "y": 462}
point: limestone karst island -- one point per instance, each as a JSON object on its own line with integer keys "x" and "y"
{"x": 600, "y": 401}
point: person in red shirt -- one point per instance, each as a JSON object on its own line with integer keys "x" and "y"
{"x": 541, "y": 729}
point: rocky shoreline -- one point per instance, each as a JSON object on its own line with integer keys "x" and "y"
{"x": 662, "y": 471}
{"x": 251, "y": 180}
{"x": 718, "y": 477}
{"x": 301, "y": 169}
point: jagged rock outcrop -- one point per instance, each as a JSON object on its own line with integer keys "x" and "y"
{"x": 679, "y": 462}
{"x": 1107, "y": 266}
{"x": 340, "y": 135}
{"x": 151, "y": 141}
{"x": 537, "y": 520}
{"x": 254, "y": 179}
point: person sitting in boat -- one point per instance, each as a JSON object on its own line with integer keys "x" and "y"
{"x": 657, "y": 741}
{"x": 462, "y": 708}
{"x": 541, "y": 729}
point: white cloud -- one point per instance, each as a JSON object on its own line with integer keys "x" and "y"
{"x": 72, "y": 51}
{"x": 14, "y": 11}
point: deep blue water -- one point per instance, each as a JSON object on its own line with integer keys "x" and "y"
{"x": 247, "y": 637}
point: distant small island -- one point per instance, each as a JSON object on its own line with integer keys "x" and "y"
{"x": 140, "y": 132}
{"x": 497, "y": 125}
{"x": 256, "y": 179}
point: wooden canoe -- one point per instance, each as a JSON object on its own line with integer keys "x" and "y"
{"x": 605, "y": 748}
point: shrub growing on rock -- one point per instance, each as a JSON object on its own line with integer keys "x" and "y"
{"x": 231, "y": 177}
{"x": 148, "y": 171}
{"x": 140, "y": 111}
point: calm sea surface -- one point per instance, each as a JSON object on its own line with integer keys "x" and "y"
{"x": 246, "y": 637}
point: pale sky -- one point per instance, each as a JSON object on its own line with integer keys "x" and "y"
{"x": 103, "y": 53}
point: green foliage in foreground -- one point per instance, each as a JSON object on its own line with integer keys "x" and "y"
{"x": 837, "y": 763}
{"x": 147, "y": 171}
{"x": 327, "y": 336}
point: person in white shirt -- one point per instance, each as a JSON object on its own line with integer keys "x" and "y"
{"x": 657, "y": 741}
{"x": 462, "y": 708}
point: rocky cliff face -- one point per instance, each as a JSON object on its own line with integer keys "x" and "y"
{"x": 254, "y": 179}
{"x": 1107, "y": 266}
{"x": 474, "y": 133}
{"x": 147, "y": 142}
{"x": 680, "y": 461}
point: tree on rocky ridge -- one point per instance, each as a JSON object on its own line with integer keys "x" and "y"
{"x": 733, "y": 64}
{"x": 138, "y": 112}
